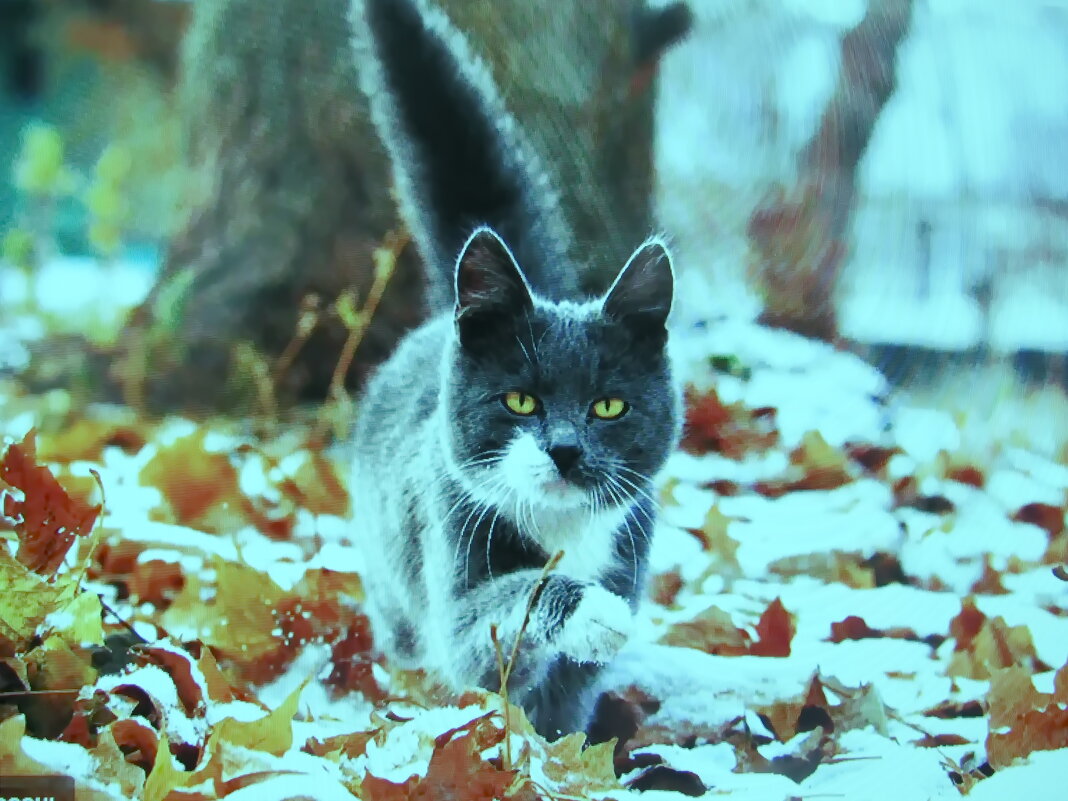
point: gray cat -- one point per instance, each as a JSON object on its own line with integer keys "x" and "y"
{"x": 522, "y": 419}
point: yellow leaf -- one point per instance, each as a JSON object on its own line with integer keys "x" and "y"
{"x": 86, "y": 626}
{"x": 272, "y": 733}
{"x": 164, "y": 776}
{"x": 25, "y": 602}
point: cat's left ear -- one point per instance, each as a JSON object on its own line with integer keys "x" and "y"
{"x": 644, "y": 289}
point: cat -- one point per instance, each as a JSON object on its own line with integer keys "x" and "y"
{"x": 522, "y": 419}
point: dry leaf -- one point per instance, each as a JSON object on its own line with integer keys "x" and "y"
{"x": 165, "y": 776}
{"x": 711, "y": 631}
{"x": 46, "y": 518}
{"x": 775, "y": 630}
{"x": 193, "y": 479}
{"x": 1035, "y": 721}
{"x": 26, "y": 600}
{"x": 272, "y": 733}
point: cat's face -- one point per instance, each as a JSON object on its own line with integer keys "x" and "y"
{"x": 560, "y": 406}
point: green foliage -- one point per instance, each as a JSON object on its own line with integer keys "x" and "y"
{"x": 105, "y": 200}
{"x": 18, "y": 248}
{"x": 39, "y": 168}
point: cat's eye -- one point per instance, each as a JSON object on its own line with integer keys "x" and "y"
{"x": 609, "y": 408}
{"x": 520, "y": 403}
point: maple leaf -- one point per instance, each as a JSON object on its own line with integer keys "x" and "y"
{"x": 46, "y": 518}
{"x": 1023, "y": 720}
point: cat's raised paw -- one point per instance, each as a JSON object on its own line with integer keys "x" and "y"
{"x": 597, "y": 629}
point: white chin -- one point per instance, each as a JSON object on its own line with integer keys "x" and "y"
{"x": 559, "y": 494}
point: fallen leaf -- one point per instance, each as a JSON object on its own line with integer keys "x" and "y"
{"x": 666, "y": 587}
{"x": 775, "y": 630}
{"x": 46, "y": 519}
{"x": 1022, "y": 720}
{"x": 27, "y": 599}
{"x": 712, "y": 631}
{"x": 1047, "y": 517}
{"x": 273, "y": 733}
{"x": 731, "y": 430}
{"x": 715, "y": 539}
{"x": 580, "y": 770}
{"x": 996, "y": 645}
{"x": 85, "y": 439}
{"x": 165, "y": 776}
{"x": 192, "y": 478}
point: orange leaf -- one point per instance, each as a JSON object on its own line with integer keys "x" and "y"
{"x": 46, "y": 518}
{"x": 192, "y": 478}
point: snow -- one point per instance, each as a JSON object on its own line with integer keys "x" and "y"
{"x": 695, "y": 686}
{"x": 878, "y": 769}
{"x": 1038, "y": 778}
{"x": 711, "y": 763}
{"x": 286, "y": 787}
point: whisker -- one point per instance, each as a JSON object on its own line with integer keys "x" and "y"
{"x": 617, "y": 492}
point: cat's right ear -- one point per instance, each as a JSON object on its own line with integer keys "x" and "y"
{"x": 489, "y": 284}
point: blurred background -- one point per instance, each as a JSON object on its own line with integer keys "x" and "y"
{"x": 196, "y": 217}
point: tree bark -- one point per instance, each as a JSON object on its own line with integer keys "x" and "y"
{"x": 291, "y": 190}
{"x": 799, "y": 236}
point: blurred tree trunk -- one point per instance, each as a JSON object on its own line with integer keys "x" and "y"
{"x": 291, "y": 187}
{"x": 799, "y": 235}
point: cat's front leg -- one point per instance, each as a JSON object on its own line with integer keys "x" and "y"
{"x": 591, "y": 628}
{"x": 577, "y": 619}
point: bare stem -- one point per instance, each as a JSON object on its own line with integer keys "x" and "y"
{"x": 306, "y": 322}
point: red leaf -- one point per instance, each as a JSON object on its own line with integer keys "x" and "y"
{"x": 1050, "y": 518}
{"x": 853, "y": 628}
{"x": 966, "y": 625}
{"x": 774, "y": 631}
{"x": 46, "y": 519}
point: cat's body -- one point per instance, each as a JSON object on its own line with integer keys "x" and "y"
{"x": 517, "y": 422}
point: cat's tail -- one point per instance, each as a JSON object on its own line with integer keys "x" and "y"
{"x": 459, "y": 160}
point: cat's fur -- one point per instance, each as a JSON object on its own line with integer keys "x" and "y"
{"x": 459, "y": 501}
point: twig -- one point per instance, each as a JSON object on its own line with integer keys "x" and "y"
{"x": 253, "y": 364}
{"x": 505, "y": 670}
{"x": 385, "y": 259}
{"x": 306, "y": 322}
{"x": 357, "y": 322}
{"x": 126, "y": 624}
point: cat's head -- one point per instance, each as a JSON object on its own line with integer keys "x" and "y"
{"x": 560, "y": 405}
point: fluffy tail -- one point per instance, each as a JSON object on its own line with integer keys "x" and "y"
{"x": 459, "y": 160}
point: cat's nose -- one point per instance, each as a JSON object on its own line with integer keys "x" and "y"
{"x": 565, "y": 456}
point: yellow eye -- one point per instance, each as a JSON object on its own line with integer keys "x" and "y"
{"x": 609, "y": 408}
{"x": 520, "y": 403}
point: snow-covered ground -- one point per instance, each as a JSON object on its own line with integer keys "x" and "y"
{"x": 792, "y": 510}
